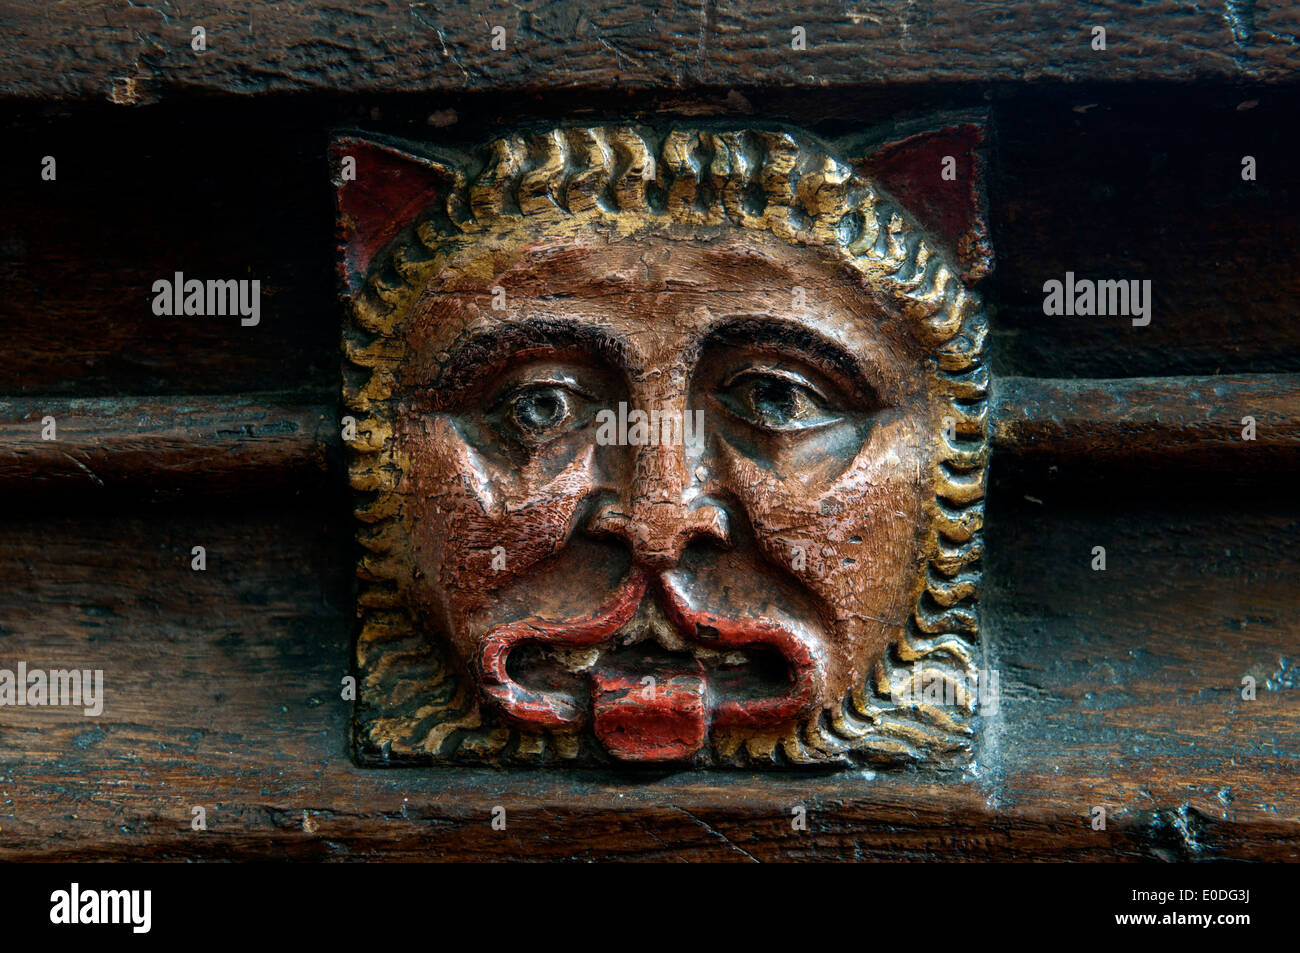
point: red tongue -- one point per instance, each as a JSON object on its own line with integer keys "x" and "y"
{"x": 650, "y": 711}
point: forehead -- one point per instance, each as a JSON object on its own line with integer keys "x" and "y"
{"x": 682, "y": 263}
{"x": 658, "y": 296}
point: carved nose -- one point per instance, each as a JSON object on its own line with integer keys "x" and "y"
{"x": 662, "y": 512}
{"x": 658, "y": 534}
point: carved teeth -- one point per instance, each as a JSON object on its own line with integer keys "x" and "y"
{"x": 577, "y": 661}
{"x": 649, "y": 625}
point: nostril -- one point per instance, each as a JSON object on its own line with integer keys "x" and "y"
{"x": 609, "y": 523}
{"x": 711, "y": 522}
{"x": 605, "y": 515}
{"x": 657, "y": 532}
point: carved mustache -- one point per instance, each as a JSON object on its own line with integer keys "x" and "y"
{"x": 697, "y": 627}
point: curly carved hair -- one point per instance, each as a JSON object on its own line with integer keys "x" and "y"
{"x": 413, "y": 705}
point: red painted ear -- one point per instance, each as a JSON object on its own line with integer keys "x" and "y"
{"x": 938, "y": 176}
{"x": 380, "y": 189}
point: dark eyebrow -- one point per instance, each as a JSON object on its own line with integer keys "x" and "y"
{"x": 478, "y": 352}
{"x": 785, "y": 335}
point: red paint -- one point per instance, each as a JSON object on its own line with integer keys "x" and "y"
{"x": 735, "y": 634}
{"x": 391, "y": 188}
{"x": 539, "y": 708}
{"x": 654, "y": 715}
{"x": 667, "y": 719}
{"x": 952, "y": 210}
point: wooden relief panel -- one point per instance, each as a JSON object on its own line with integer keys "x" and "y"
{"x": 670, "y": 446}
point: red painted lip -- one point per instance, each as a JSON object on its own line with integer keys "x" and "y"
{"x": 735, "y": 634}
{"x": 546, "y": 710}
{"x": 540, "y": 708}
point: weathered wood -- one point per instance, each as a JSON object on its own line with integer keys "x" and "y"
{"x": 211, "y": 444}
{"x": 135, "y": 53}
{"x": 79, "y": 257}
{"x": 1153, "y": 417}
{"x": 241, "y": 441}
{"x": 1121, "y": 688}
{"x": 1084, "y": 183}
{"x": 1223, "y": 254}
{"x": 223, "y": 689}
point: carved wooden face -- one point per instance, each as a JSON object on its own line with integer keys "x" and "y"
{"x": 665, "y": 488}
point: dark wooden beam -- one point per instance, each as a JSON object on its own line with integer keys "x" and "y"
{"x": 241, "y": 441}
{"x": 1119, "y": 689}
{"x": 139, "y": 53}
{"x": 216, "y": 443}
{"x": 1146, "y": 417}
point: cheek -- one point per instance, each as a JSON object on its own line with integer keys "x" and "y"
{"x": 850, "y": 538}
{"x": 476, "y": 527}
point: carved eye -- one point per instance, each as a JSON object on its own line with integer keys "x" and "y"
{"x": 539, "y": 411}
{"x": 777, "y": 399}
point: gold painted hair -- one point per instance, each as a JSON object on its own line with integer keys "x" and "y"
{"x": 412, "y": 705}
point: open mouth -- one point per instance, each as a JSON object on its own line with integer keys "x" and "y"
{"x": 650, "y": 673}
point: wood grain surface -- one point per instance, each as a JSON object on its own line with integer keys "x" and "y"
{"x": 1177, "y": 419}
{"x": 1119, "y": 689}
{"x": 1140, "y": 184}
{"x": 234, "y": 443}
{"x": 137, "y": 53}
{"x": 198, "y": 443}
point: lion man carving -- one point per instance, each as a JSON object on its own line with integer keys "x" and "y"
{"x": 670, "y": 448}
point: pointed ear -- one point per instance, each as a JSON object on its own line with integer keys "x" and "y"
{"x": 380, "y": 189}
{"x": 937, "y": 174}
